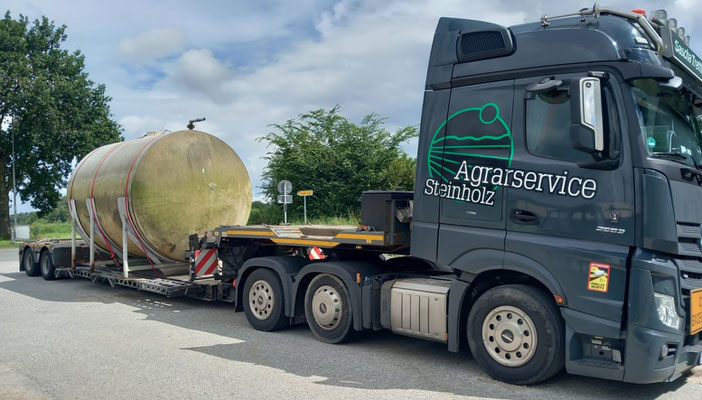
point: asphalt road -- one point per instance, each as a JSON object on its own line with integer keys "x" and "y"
{"x": 71, "y": 339}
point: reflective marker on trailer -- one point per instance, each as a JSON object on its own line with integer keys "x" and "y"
{"x": 205, "y": 261}
{"x": 315, "y": 253}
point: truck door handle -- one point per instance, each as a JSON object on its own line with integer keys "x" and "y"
{"x": 524, "y": 217}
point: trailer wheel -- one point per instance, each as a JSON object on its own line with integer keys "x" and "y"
{"x": 328, "y": 309}
{"x": 516, "y": 334}
{"x": 263, "y": 301}
{"x": 30, "y": 267}
{"x": 47, "y": 267}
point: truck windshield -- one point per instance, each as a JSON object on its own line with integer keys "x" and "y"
{"x": 669, "y": 122}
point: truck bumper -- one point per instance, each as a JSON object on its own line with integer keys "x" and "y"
{"x": 638, "y": 358}
{"x": 644, "y": 362}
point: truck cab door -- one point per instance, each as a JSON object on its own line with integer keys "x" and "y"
{"x": 472, "y": 215}
{"x": 577, "y": 222}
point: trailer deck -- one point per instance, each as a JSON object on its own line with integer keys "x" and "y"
{"x": 323, "y": 236}
{"x": 208, "y": 289}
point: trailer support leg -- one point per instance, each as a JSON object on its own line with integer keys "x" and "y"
{"x": 76, "y": 228}
{"x": 127, "y": 234}
{"x": 73, "y": 245}
{"x": 92, "y": 235}
{"x": 125, "y": 239}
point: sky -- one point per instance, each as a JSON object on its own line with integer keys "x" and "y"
{"x": 245, "y": 65}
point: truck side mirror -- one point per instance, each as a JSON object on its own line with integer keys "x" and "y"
{"x": 586, "y": 129}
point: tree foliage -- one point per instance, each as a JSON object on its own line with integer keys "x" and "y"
{"x": 55, "y": 112}
{"x": 325, "y": 152}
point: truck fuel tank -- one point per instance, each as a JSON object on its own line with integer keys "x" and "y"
{"x": 415, "y": 307}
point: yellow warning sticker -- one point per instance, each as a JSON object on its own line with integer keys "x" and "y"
{"x": 598, "y": 277}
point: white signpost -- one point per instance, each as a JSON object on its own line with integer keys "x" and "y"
{"x": 285, "y": 187}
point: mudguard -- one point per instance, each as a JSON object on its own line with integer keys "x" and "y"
{"x": 285, "y": 266}
{"x": 461, "y": 286}
{"x": 527, "y": 266}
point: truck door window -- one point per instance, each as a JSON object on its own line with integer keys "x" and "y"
{"x": 548, "y": 127}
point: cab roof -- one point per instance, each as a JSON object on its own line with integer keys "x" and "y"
{"x": 563, "y": 41}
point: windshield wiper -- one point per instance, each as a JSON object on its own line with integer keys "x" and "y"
{"x": 676, "y": 156}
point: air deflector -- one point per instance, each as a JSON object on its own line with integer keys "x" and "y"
{"x": 484, "y": 40}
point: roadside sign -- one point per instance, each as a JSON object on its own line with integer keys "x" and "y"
{"x": 284, "y": 187}
{"x": 285, "y": 199}
{"x": 304, "y": 194}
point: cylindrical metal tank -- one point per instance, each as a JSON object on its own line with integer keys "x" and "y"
{"x": 171, "y": 185}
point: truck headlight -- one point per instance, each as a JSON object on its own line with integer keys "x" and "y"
{"x": 665, "y": 305}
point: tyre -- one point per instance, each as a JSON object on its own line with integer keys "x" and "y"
{"x": 516, "y": 334}
{"x": 46, "y": 266}
{"x": 328, "y": 309}
{"x": 264, "y": 304}
{"x": 30, "y": 267}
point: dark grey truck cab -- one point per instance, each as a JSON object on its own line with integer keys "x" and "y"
{"x": 567, "y": 152}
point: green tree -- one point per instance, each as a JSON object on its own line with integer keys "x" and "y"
{"x": 59, "y": 213}
{"x": 55, "y": 113}
{"x": 265, "y": 213}
{"x": 325, "y": 152}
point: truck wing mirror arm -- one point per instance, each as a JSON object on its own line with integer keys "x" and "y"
{"x": 544, "y": 86}
{"x": 587, "y": 127}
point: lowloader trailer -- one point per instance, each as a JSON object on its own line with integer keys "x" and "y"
{"x": 555, "y": 221}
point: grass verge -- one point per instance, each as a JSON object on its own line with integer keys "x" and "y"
{"x": 55, "y": 230}
{"x": 6, "y": 244}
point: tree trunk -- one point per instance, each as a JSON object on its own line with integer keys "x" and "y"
{"x": 4, "y": 201}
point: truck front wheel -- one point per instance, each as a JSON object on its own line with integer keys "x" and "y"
{"x": 516, "y": 334}
{"x": 328, "y": 309}
{"x": 263, "y": 301}
{"x": 30, "y": 267}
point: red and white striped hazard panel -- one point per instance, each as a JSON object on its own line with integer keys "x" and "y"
{"x": 315, "y": 253}
{"x": 205, "y": 261}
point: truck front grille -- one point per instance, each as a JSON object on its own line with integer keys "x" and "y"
{"x": 690, "y": 274}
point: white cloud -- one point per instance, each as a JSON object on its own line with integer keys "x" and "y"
{"x": 152, "y": 45}
{"x": 139, "y": 125}
{"x": 200, "y": 72}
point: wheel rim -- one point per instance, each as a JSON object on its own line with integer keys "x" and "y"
{"x": 45, "y": 265}
{"x": 327, "y": 307}
{"x": 509, "y": 336}
{"x": 261, "y": 299}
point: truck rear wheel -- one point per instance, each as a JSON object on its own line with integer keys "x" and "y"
{"x": 30, "y": 267}
{"x": 264, "y": 303}
{"x": 516, "y": 334}
{"x": 328, "y": 309}
{"x": 46, "y": 265}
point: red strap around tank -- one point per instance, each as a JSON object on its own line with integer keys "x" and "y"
{"x": 70, "y": 189}
{"x": 126, "y": 204}
{"x": 92, "y": 203}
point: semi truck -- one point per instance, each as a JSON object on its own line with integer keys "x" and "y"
{"x": 555, "y": 221}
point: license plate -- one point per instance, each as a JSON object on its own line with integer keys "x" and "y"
{"x": 695, "y": 311}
